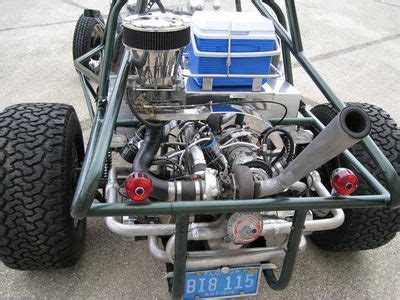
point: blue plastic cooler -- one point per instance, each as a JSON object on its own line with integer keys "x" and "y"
{"x": 231, "y": 43}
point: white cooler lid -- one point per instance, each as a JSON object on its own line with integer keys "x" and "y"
{"x": 243, "y": 25}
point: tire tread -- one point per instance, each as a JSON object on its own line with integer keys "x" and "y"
{"x": 34, "y": 215}
{"x": 366, "y": 228}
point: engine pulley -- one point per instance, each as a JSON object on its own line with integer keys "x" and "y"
{"x": 244, "y": 227}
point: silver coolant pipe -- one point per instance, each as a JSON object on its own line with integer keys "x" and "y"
{"x": 346, "y": 129}
{"x": 133, "y": 229}
{"x": 207, "y": 231}
{"x": 197, "y": 230}
{"x": 198, "y": 162}
{"x": 217, "y": 229}
{"x": 272, "y": 227}
{"x": 216, "y": 258}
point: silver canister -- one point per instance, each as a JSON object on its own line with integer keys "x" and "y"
{"x": 156, "y": 42}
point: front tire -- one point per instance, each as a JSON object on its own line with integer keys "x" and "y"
{"x": 365, "y": 228}
{"x": 41, "y": 149}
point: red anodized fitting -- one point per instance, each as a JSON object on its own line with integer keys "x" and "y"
{"x": 344, "y": 181}
{"x": 138, "y": 186}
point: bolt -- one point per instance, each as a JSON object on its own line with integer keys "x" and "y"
{"x": 348, "y": 186}
{"x": 224, "y": 270}
{"x": 139, "y": 191}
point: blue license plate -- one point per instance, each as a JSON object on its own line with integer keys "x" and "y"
{"x": 224, "y": 282}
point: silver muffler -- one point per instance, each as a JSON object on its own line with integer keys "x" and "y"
{"x": 346, "y": 129}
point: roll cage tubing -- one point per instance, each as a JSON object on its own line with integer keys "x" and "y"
{"x": 105, "y": 120}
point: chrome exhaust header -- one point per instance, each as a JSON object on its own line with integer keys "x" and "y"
{"x": 346, "y": 129}
{"x": 215, "y": 230}
{"x": 224, "y": 257}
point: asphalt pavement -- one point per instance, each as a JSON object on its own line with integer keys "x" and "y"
{"x": 354, "y": 44}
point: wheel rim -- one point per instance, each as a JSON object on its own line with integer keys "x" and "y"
{"x": 76, "y": 167}
{"x": 96, "y": 38}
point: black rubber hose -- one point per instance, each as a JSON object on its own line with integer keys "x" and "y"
{"x": 239, "y": 120}
{"x": 144, "y": 158}
{"x": 238, "y": 5}
{"x": 161, "y": 6}
{"x": 288, "y": 141}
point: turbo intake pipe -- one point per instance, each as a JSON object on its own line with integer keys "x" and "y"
{"x": 346, "y": 129}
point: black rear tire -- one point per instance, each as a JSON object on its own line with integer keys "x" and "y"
{"x": 88, "y": 34}
{"x": 41, "y": 149}
{"x": 365, "y": 228}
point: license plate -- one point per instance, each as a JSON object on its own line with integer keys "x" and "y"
{"x": 222, "y": 283}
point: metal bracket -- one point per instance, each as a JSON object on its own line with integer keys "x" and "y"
{"x": 207, "y": 84}
{"x": 228, "y": 58}
{"x": 257, "y": 84}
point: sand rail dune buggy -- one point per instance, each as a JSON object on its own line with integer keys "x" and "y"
{"x": 201, "y": 144}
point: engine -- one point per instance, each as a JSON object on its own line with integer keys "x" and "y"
{"x": 204, "y": 136}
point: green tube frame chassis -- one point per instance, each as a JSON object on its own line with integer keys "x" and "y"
{"x": 105, "y": 119}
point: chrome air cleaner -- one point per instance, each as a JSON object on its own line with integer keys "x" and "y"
{"x": 156, "y": 42}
